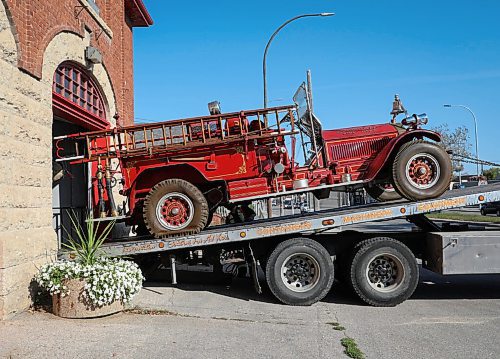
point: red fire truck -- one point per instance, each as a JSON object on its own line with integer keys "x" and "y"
{"x": 174, "y": 174}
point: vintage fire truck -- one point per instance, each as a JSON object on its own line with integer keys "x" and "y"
{"x": 175, "y": 174}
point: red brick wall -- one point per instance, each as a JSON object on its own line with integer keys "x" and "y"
{"x": 36, "y": 22}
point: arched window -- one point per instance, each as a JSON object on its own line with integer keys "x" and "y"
{"x": 77, "y": 98}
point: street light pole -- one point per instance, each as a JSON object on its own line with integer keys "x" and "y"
{"x": 264, "y": 74}
{"x": 264, "y": 70}
{"x": 475, "y": 135}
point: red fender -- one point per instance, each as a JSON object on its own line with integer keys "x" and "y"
{"x": 383, "y": 157}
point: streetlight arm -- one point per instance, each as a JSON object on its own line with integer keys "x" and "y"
{"x": 264, "y": 70}
{"x": 475, "y": 132}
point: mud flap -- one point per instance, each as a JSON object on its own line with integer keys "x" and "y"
{"x": 250, "y": 258}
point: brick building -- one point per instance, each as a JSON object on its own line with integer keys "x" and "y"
{"x": 66, "y": 66}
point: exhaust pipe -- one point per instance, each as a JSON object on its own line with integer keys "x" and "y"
{"x": 100, "y": 190}
{"x": 114, "y": 212}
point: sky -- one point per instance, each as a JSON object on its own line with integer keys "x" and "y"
{"x": 428, "y": 52}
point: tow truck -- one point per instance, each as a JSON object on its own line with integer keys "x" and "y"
{"x": 301, "y": 255}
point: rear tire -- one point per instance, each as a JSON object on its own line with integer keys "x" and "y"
{"x": 383, "y": 272}
{"x": 299, "y": 272}
{"x": 175, "y": 207}
{"x": 421, "y": 170}
{"x": 483, "y": 212}
{"x": 383, "y": 192}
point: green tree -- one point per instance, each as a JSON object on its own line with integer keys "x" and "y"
{"x": 492, "y": 173}
{"x": 456, "y": 141}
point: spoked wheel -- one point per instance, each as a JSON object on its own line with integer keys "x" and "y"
{"x": 175, "y": 211}
{"x": 383, "y": 272}
{"x": 383, "y": 192}
{"x": 175, "y": 206}
{"x": 299, "y": 271}
{"x": 421, "y": 170}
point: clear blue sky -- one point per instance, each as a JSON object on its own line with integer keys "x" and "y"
{"x": 429, "y": 52}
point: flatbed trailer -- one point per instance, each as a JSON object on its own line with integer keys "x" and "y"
{"x": 301, "y": 255}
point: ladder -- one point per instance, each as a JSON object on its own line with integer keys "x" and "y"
{"x": 161, "y": 137}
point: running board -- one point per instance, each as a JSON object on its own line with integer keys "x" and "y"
{"x": 338, "y": 186}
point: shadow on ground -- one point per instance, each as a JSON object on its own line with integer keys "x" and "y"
{"x": 431, "y": 287}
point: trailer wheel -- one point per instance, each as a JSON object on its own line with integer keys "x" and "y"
{"x": 384, "y": 272}
{"x": 383, "y": 192}
{"x": 175, "y": 206}
{"x": 422, "y": 170}
{"x": 299, "y": 272}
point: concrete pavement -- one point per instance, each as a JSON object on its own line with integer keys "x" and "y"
{"x": 448, "y": 317}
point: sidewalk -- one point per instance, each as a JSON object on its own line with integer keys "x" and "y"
{"x": 186, "y": 324}
{"x": 447, "y": 317}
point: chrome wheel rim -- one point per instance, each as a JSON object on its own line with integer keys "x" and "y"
{"x": 300, "y": 272}
{"x": 175, "y": 211}
{"x": 385, "y": 272}
{"x": 423, "y": 171}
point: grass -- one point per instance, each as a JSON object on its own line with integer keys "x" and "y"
{"x": 464, "y": 217}
{"x": 351, "y": 348}
{"x": 336, "y": 326}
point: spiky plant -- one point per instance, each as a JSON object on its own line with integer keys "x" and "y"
{"x": 88, "y": 241}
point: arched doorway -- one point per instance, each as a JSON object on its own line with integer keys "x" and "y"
{"x": 78, "y": 106}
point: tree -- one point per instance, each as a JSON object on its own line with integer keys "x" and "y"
{"x": 456, "y": 141}
{"x": 492, "y": 173}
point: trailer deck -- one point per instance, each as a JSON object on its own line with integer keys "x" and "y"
{"x": 301, "y": 224}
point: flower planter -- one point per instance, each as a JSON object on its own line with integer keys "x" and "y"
{"x": 76, "y": 305}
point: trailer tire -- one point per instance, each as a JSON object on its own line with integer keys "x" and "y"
{"x": 421, "y": 170}
{"x": 186, "y": 203}
{"x": 384, "y": 272}
{"x": 299, "y": 271}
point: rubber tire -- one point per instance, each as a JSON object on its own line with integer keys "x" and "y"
{"x": 210, "y": 216}
{"x": 365, "y": 251}
{"x": 401, "y": 183}
{"x": 175, "y": 185}
{"x": 498, "y": 213}
{"x": 483, "y": 212}
{"x": 382, "y": 195}
{"x": 273, "y": 271}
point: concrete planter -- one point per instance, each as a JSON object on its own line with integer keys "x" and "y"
{"x": 74, "y": 305}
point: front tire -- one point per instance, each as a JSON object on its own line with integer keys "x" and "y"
{"x": 383, "y": 272}
{"x": 174, "y": 207}
{"x": 299, "y": 272}
{"x": 422, "y": 170}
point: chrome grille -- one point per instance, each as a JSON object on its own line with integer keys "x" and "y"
{"x": 359, "y": 149}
